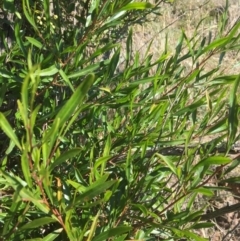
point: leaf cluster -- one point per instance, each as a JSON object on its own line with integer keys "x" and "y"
{"x": 89, "y": 150}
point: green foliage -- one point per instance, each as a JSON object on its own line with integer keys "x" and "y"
{"x": 90, "y": 149}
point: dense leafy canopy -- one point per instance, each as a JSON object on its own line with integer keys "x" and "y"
{"x": 99, "y": 143}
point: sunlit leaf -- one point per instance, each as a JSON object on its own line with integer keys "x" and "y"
{"x": 35, "y": 42}
{"x": 76, "y": 100}
{"x": 5, "y": 126}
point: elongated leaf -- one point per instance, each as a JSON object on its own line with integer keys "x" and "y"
{"x": 29, "y": 196}
{"x": 30, "y": 19}
{"x": 136, "y": 6}
{"x": 205, "y": 191}
{"x": 87, "y": 70}
{"x": 93, "y": 227}
{"x": 19, "y": 38}
{"x": 26, "y": 168}
{"x": 24, "y": 96}
{"x": 92, "y": 192}
{"x": 64, "y": 157}
{"x": 5, "y": 126}
{"x": 214, "y": 160}
{"x": 193, "y": 216}
{"x": 218, "y": 127}
{"x": 233, "y": 114}
{"x": 49, "y": 139}
{"x": 187, "y": 234}
{"x": 33, "y": 116}
{"x": 34, "y": 42}
{"x": 23, "y": 113}
{"x": 194, "y": 236}
{"x": 52, "y": 236}
{"x": 76, "y": 100}
{"x": 66, "y": 79}
{"x": 80, "y": 188}
{"x": 37, "y": 223}
{"x": 202, "y": 225}
{"x": 112, "y": 233}
{"x": 190, "y": 108}
{"x": 168, "y": 161}
{"x": 216, "y": 44}
{"x": 47, "y": 179}
{"x": 101, "y": 162}
{"x": 50, "y": 71}
{"x": 46, "y": 5}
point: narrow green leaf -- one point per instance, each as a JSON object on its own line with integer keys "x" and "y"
{"x": 50, "y": 71}
{"x": 113, "y": 64}
{"x": 205, "y": 191}
{"x": 202, "y": 225}
{"x": 29, "y": 196}
{"x": 101, "y": 162}
{"x": 87, "y": 70}
{"x": 93, "y": 191}
{"x": 49, "y": 139}
{"x": 234, "y": 30}
{"x": 213, "y": 160}
{"x": 46, "y": 5}
{"x": 216, "y": 44}
{"x": 64, "y": 157}
{"x": 37, "y": 223}
{"x": 193, "y": 216}
{"x": 66, "y": 79}
{"x": 142, "y": 208}
{"x": 129, "y": 166}
{"x": 93, "y": 227}
{"x": 189, "y": 109}
{"x": 233, "y": 114}
{"x": 112, "y": 233}
{"x": 19, "y": 38}
{"x": 52, "y": 236}
{"x": 33, "y": 116}
{"x": 25, "y": 164}
{"x": 194, "y": 236}
{"x": 47, "y": 180}
{"x": 106, "y": 151}
{"x": 6, "y": 127}
{"x": 136, "y": 6}
{"x": 76, "y": 100}
{"x": 168, "y": 161}
{"x": 34, "y": 42}
{"x": 24, "y": 98}
{"x": 23, "y": 113}
{"x": 27, "y": 15}
{"x": 220, "y": 126}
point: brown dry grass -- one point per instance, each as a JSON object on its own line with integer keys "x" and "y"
{"x": 186, "y": 15}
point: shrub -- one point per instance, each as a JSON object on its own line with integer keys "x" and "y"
{"x": 94, "y": 151}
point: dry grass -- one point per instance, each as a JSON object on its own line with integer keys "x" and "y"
{"x": 187, "y": 15}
